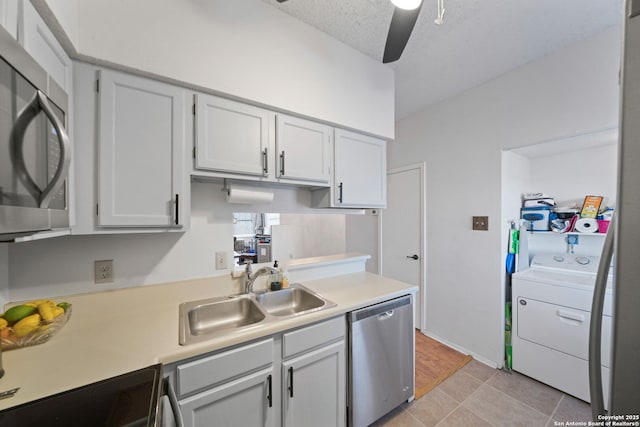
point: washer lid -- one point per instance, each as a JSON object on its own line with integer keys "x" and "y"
{"x": 567, "y": 263}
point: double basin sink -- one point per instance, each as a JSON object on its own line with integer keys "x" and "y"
{"x": 203, "y": 319}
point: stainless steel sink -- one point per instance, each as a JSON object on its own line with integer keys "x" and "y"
{"x": 203, "y": 319}
{"x": 200, "y": 320}
{"x": 290, "y": 301}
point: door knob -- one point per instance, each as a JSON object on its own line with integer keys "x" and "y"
{"x": 414, "y": 256}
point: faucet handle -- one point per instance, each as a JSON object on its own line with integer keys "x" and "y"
{"x": 247, "y": 267}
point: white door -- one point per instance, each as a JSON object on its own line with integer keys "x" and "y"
{"x": 403, "y": 232}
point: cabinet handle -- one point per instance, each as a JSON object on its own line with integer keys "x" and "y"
{"x": 282, "y": 163}
{"x": 269, "y": 395}
{"x": 291, "y": 381}
{"x": 340, "y": 193}
{"x": 265, "y": 162}
{"x": 177, "y": 207}
{"x": 414, "y": 256}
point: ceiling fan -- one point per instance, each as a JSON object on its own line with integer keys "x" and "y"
{"x": 405, "y": 15}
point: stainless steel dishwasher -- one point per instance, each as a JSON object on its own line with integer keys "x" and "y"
{"x": 381, "y": 359}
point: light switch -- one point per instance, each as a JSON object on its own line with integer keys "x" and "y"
{"x": 480, "y": 223}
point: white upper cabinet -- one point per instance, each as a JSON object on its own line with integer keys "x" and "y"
{"x": 302, "y": 150}
{"x": 141, "y": 136}
{"x": 359, "y": 175}
{"x": 231, "y": 137}
{"x": 9, "y": 16}
{"x": 39, "y": 41}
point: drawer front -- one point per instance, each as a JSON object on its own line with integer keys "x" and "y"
{"x": 313, "y": 336}
{"x": 560, "y": 328}
{"x": 211, "y": 370}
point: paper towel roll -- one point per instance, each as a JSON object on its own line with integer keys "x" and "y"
{"x": 586, "y": 225}
{"x": 248, "y": 195}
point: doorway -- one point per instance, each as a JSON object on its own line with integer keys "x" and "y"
{"x": 403, "y": 232}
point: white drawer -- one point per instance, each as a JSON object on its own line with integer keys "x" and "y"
{"x": 313, "y": 336}
{"x": 209, "y": 371}
{"x": 560, "y": 328}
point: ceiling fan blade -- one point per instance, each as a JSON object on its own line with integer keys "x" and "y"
{"x": 402, "y": 23}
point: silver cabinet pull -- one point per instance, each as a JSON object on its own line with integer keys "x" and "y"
{"x": 340, "y": 193}
{"x": 39, "y": 104}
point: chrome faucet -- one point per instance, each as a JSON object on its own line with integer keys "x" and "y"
{"x": 248, "y": 277}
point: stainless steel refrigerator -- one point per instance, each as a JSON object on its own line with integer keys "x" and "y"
{"x": 624, "y": 242}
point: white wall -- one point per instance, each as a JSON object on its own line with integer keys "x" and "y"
{"x": 64, "y": 265}
{"x": 243, "y": 48}
{"x": 362, "y": 236}
{"x": 572, "y": 91}
{"x": 308, "y": 235}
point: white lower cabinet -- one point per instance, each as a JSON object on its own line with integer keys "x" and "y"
{"x": 297, "y": 378}
{"x": 314, "y": 388}
{"x": 247, "y": 401}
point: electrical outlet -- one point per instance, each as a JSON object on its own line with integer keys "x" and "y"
{"x": 103, "y": 271}
{"x": 221, "y": 260}
{"x": 480, "y": 223}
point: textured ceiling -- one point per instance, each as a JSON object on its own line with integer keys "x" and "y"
{"x": 479, "y": 40}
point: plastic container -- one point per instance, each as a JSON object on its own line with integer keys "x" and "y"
{"x": 603, "y": 225}
{"x": 537, "y": 218}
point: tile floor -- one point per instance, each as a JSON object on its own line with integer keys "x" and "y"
{"x": 478, "y": 395}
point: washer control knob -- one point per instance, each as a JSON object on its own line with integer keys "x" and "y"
{"x": 582, "y": 260}
{"x": 558, "y": 258}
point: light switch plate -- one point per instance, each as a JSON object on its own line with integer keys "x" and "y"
{"x": 221, "y": 260}
{"x": 480, "y": 223}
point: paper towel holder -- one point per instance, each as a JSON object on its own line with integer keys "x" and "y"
{"x": 243, "y": 194}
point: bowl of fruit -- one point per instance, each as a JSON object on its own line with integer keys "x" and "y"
{"x": 32, "y": 323}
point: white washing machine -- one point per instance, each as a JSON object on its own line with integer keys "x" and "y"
{"x": 551, "y": 312}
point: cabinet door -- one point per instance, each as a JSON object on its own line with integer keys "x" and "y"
{"x": 360, "y": 178}
{"x": 39, "y": 41}
{"x": 140, "y": 151}
{"x": 9, "y": 16}
{"x": 248, "y": 402}
{"x": 314, "y": 388}
{"x": 231, "y": 137}
{"x": 302, "y": 150}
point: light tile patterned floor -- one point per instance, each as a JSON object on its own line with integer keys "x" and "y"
{"x": 478, "y": 396}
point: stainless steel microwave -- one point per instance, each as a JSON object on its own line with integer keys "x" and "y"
{"x": 34, "y": 147}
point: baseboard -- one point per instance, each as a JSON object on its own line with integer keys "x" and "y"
{"x": 479, "y": 358}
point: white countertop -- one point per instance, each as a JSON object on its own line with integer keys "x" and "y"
{"x": 111, "y": 333}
